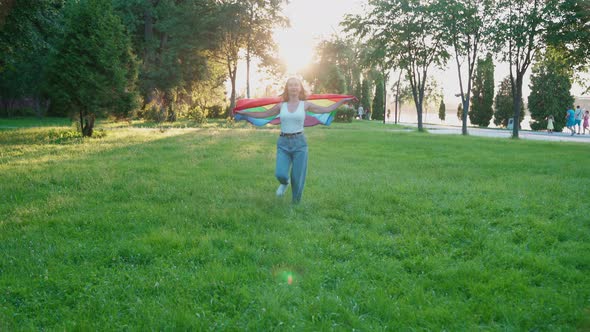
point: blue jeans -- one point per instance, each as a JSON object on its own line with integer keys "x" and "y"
{"x": 292, "y": 154}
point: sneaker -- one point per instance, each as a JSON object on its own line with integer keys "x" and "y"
{"x": 282, "y": 189}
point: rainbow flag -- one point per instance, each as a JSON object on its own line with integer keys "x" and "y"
{"x": 263, "y": 104}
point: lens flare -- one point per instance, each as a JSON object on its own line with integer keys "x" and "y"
{"x": 286, "y": 276}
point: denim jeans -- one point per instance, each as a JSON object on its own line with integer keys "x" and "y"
{"x": 292, "y": 155}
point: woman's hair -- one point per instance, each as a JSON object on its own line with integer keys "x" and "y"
{"x": 302, "y": 94}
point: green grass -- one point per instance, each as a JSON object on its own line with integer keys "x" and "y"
{"x": 180, "y": 230}
{"x": 27, "y": 122}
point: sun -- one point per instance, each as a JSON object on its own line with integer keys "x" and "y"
{"x": 311, "y": 21}
{"x": 295, "y": 50}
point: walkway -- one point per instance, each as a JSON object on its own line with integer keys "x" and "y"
{"x": 503, "y": 133}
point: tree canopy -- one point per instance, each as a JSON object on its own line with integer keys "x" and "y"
{"x": 93, "y": 69}
{"x": 409, "y": 35}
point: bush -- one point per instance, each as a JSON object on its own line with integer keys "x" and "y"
{"x": 344, "y": 114}
{"x": 216, "y": 112}
{"x": 229, "y": 122}
{"x": 538, "y": 125}
{"x": 198, "y": 114}
{"x": 58, "y": 136}
{"x": 150, "y": 113}
{"x": 181, "y": 110}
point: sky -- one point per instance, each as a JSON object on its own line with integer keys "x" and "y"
{"x": 315, "y": 20}
{"x": 311, "y": 21}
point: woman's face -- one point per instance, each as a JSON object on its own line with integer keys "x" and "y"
{"x": 294, "y": 87}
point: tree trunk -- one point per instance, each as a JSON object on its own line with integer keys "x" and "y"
{"x": 232, "y": 103}
{"x": 395, "y": 109}
{"x": 88, "y": 129}
{"x": 464, "y": 115}
{"x": 419, "y": 111}
{"x": 384, "y": 97}
{"x": 163, "y": 45}
{"x": 399, "y": 79}
{"x": 464, "y": 100}
{"x": 38, "y": 111}
{"x": 517, "y": 104}
{"x": 148, "y": 58}
{"x": 163, "y": 108}
{"x": 148, "y": 35}
{"x": 81, "y": 115}
{"x": 248, "y": 72}
{"x": 171, "y": 114}
{"x": 10, "y": 108}
{"x": 420, "y": 101}
{"x": 232, "y": 75}
{"x": 248, "y": 48}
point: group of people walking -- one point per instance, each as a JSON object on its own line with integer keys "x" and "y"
{"x": 575, "y": 118}
{"x": 578, "y": 117}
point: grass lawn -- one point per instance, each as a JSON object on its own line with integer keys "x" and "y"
{"x": 179, "y": 229}
{"x": 27, "y": 122}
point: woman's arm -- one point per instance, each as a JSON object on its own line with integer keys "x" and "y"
{"x": 327, "y": 109}
{"x": 275, "y": 110}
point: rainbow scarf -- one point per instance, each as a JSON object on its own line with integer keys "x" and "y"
{"x": 264, "y": 104}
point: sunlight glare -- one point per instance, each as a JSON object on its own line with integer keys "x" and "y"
{"x": 295, "y": 50}
{"x": 311, "y": 21}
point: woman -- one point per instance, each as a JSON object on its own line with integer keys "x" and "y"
{"x": 570, "y": 121}
{"x": 292, "y": 144}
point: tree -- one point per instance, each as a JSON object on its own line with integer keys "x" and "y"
{"x": 337, "y": 59}
{"x": 442, "y": 110}
{"x": 247, "y": 26}
{"x": 366, "y": 94}
{"x": 460, "y": 111}
{"x": 378, "y": 109}
{"x": 522, "y": 28}
{"x": 571, "y": 35}
{"x": 329, "y": 80}
{"x": 397, "y": 94}
{"x": 209, "y": 93}
{"x": 5, "y": 8}
{"x": 466, "y": 25}
{"x": 482, "y": 101}
{"x": 504, "y": 105}
{"x": 171, "y": 38}
{"x": 28, "y": 30}
{"x": 93, "y": 69}
{"x": 263, "y": 16}
{"x": 377, "y": 63}
{"x": 432, "y": 95}
{"x": 411, "y": 37}
{"x": 550, "y": 89}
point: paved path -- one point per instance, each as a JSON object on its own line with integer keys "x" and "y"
{"x": 503, "y": 133}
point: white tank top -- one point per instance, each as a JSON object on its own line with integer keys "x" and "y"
{"x": 292, "y": 122}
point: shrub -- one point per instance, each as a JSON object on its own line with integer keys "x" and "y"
{"x": 344, "y": 114}
{"x": 58, "y": 136}
{"x": 198, "y": 114}
{"x": 229, "y": 122}
{"x": 216, "y": 112}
